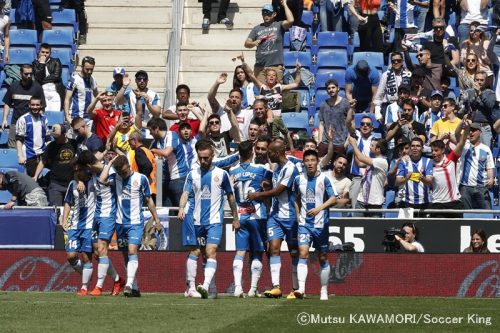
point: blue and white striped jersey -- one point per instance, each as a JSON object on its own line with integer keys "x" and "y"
{"x": 313, "y": 192}
{"x": 132, "y": 101}
{"x": 83, "y": 90}
{"x": 416, "y": 192}
{"x": 475, "y": 161}
{"x": 247, "y": 178}
{"x": 33, "y": 130}
{"x": 129, "y": 195}
{"x": 82, "y": 204}
{"x": 404, "y": 15}
{"x": 208, "y": 189}
{"x": 105, "y": 201}
{"x": 364, "y": 147}
{"x": 283, "y": 206}
{"x": 179, "y": 163}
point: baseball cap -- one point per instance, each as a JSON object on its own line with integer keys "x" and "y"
{"x": 268, "y": 8}
{"x": 118, "y": 71}
{"x": 436, "y": 93}
{"x": 475, "y": 126}
{"x": 141, "y": 73}
{"x": 56, "y": 131}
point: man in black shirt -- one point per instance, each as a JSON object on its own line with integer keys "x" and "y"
{"x": 18, "y": 98}
{"x": 406, "y": 127}
{"x": 25, "y": 191}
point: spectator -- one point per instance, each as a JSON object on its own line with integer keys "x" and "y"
{"x": 32, "y": 131}
{"x": 117, "y": 84}
{"x": 47, "y": 72}
{"x": 296, "y": 8}
{"x": 81, "y": 15}
{"x": 267, "y": 37}
{"x": 483, "y": 103}
{"x": 244, "y": 83}
{"x": 387, "y": 91}
{"x": 472, "y": 11}
{"x": 331, "y": 15}
{"x": 409, "y": 242}
{"x": 445, "y": 88}
{"x": 445, "y": 193}
{"x": 79, "y": 91}
{"x": 444, "y": 128}
{"x": 432, "y": 71}
{"x": 477, "y": 171}
{"x": 406, "y": 127}
{"x": 364, "y": 138}
{"x": 478, "y": 242}
{"x": 221, "y": 15}
{"x": 415, "y": 173}
{"x": 261, "y": 148}
{"x": 371, "y": 195}
{"x": 42, "y": 16}
{"x": 478, "y": 43}
{"x": 254, "y": 130}
{"x": 142, "y": 160}
{"x": 105, "y": 118}
{"x": 210, "y": 129}
{"x": 339, "y": 180}
{"x": 401, "y": 150}
{"x": 369, "y": 29}
{"x": 232, "y": 109}
{"x": 4, "y": 33}
{"x": 58, "y": 157}
{"x": 332, "y": 114}
{"x": 147, "y": 98}
{"x": 361, "y": 83}
{"x": 85, "y": 139}
{"x": 439, "y": 46}
{"x": 466, "y": 74}
{"x": 420, "y": 10}
{"x": 25, "y": 191}
{"x": 183, "y": 94}
{"x": 18, "y": 98}
{"x": 404, "y": 22}
{"x": 418, "y": 93}
{"x": 433, "y": 114}
{"x": 182, "y": 112}
{"x": 118, "y": 138}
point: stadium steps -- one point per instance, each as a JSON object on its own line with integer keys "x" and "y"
{"x": 205, "y": 55}
{"x": 129, "y": 34}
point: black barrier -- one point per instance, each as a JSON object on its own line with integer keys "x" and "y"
{"x": 437, "y": 236}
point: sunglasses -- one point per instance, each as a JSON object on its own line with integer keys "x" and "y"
{"x": 420, "y": 55}
{"x": 214, "y": 122}
{"x": 139, "y": 79}
{"x": 266, "y": 13}
{"x": 471, "y": 60}
{"x": 365, "y": 124}
{"x": 397, "y": 61}
{"x": 438, "y": 28}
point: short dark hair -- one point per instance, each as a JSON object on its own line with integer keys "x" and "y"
{"x": 339, "y": 156}
{"x": 413, "y": 228}
{"x": 382, "y": 145}
{"x": 213, "y": 116}
{"x": 264, "y": 138}
{"x": 409, "y": 101}
{"x": 77, "y": 120}
{"x": 310, "y": 152}
{"x": 157, "y": 123}
{"x": 312, "y": 141}
{"x": 260, "y": 100}
{"x": 331, "y": 81}
{"x": 120, "y": 161}
{"x": 88, "y": 60}
{"x": 450, "y": 101}
{"x": 85, "y": 157}
{"x": 418, "y": 140}
{"x": 235, "y": 90}
{"x": 45, "y": 46}
{"x": 204, "y": 144}
{"x": 245, "y": 149}
{"x": 182, "y": 86}
{"x": 184, "y": 125}
{"x": 180, "y": 104}
{"x": 438, "y": 144}
{"x": 445, "y": 80}
{"x": 25, "y": 66}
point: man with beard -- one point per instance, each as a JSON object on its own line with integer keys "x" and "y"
{"x": 406, "y": 126}
{"x": 182, "y": 111}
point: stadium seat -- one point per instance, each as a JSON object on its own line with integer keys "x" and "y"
{"x": 23, "y": 37}
{"x": 389, "y": 199}
{"x": 332, "y": 59}
{"x": 64, "y": 17}
{"x": 374, "y": 59}
{"x": 297, "y": 120}
{"x": 475, "y": 216}
{"x": 286, "y": 41}
{"x": 54, "y": 117}
{"x": 3, "y": 91}
{"x": 321, "y": 96}
{"x": 64, "y": 55}
{"x": 4, "y": 137}
{"x": 59, "y": 38}
{"x": 413, "y": 57}
{"x": 65, "y": 75}
{"x": 336, "y": 74}
{"x": 55, "y": 4}
{"x": 20, "y": 55}
{"x": 5, "y": 197}
{"x": 359, "y": 116}
{"x": 291, "y": 58}
{"x": 8, "y": 158}
{"x": 307, "y": 19}
{"x": 333, "y": 40}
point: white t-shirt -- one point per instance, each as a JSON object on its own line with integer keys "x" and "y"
{"x": 341, "y": 185}
{"x": 420, "y": 248}
{"x": 244, "y": 117}
{"x": 379, "y": 175}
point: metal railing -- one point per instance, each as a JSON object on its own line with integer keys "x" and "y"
{"x": 173, "y": 53}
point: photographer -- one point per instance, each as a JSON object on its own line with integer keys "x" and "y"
{"x": 409, "y": 242}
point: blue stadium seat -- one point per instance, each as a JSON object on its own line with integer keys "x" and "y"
{"x": 336, "y": 74}
{"x": 321, "y": 96}
{"x": 307, "y": 19}
{"x": 389, "y": 198}
{"x": 5, "y": 197}
{"x": 8, "y": 158}
{"x": 413, "y": 57}
{"x": 359, "y": 116}
{"x": 23, "y": 37}
{"x": 59, "y": 38}
{"x": 286, "y": 41}
{"x": 3, "y": 91}
{"x": 54, "y": 117}
{"x": 290, "y": 59}
{"x": 332, "y": 59}
{"x": 374, "y": 59}
{"x": 64, "y": 17}
{"x": 65, "y": 75}
{"x": 296, "y": 120}
{"x": 64, "y": 55}
{"x": 4, "y": 137}
{"x": 20, "y": 55}
{"x": 55, "y": 4}
{"x": 333, "y": 40}
{"x": 476, "y": 216}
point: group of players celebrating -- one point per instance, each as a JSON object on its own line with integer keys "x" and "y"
{"x": 108, "y": 197}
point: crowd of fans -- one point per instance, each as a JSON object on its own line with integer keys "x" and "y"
{"x": 404, "y": 129}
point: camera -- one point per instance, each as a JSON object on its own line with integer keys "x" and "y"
{"x": 346, "y": 247}
{"x": 390, "y": 243}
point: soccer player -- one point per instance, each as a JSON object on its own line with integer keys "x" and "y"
{"x": 104, "y": 226}
{"x": 81, "y": 205}
{"x": 205, "y": 188}
{"x": 130, "y": 190}
{"x": 282, "y": 222}
{"x": 314, "y": 195}
{"x": 247, "y": 177}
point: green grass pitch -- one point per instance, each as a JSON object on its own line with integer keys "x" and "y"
{"x": 65, "y": 312}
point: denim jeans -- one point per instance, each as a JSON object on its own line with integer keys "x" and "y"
{"x": 422, "y": 14}
{"x": 174, "y": 191}
{"x": 463, "y": 32}
{"x": 361, "y": 205}
{"x": 475, "y": 197}
{"x": 329, "y": 21}
{"x": 486, "y": 135}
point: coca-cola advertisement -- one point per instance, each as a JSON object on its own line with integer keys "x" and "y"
{"x": 370, "y": 274}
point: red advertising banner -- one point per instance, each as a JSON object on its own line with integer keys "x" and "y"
{"x": 445, "y": 275}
